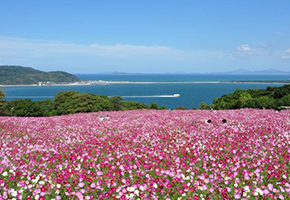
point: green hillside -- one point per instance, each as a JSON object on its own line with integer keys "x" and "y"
{"x": 269, "y": 98}
{"x": 18, "y": 75}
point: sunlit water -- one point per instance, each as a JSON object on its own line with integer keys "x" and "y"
{"x": 205, "y": 88}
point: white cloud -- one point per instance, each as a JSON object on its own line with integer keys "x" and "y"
{"x": 286, "y": 57}
{"x": 43, "y": 48}
{"x": 96, "y": 57}
{"x": 244, "y": 48}
{"x": 80, "y": 58}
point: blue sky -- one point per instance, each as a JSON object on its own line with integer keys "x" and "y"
{"x": 156, "y": 36}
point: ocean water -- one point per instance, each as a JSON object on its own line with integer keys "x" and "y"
{"x": 205, "y": 88}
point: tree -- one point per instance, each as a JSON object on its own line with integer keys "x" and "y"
{"x": 266, "y": 102}
{"x": 61, "y": 102}
{"x": 180, "y": 108}
{"x": 2, "y": 102}
{"x": 44, "y": 108}
{"x": 133, "y": 105}
{"x": 243, "y": 101}
{"x": 22, "y": 107}
{"x": 285, "y": 101}
{"x": 154, "y": 106}
{"x": 73, "y": 102}
{"x": 205, "y": 106}
{"x": 280, "y": 92}
{"x": 116, "y": 102}
{"x": 163, "y": 107}
{"x": 2, "y": 94}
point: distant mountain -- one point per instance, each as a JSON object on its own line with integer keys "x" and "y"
{"x": 18, "y": 75}
{"x": 234, "y": 72}
{"x": 261, "y": 72}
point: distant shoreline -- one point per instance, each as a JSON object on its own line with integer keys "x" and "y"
{"x": 101, "y": 82}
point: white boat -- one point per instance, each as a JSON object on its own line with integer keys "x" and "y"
{"x": 176, "y": 95}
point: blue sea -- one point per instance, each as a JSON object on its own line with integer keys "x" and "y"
{"x": 201, "y": 88}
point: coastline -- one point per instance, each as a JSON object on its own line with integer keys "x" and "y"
{"x": 100, "y": 82}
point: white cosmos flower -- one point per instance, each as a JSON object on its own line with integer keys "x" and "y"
{"x": 142, "y": 188}
{"x": 247, "y": 189}
{"x": 14, "y": 193}
{"x": 4, "y": 173}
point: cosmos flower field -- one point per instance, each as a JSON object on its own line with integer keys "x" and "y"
{"x": 147, "y": 154}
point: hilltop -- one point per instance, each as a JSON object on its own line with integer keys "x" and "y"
{"x": 18, "y": 75}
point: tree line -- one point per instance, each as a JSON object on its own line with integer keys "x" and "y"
{"x": 68, "y": 102}
{"x": 269, "y": 98}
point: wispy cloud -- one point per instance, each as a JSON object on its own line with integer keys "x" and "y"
{"x": 81, "y": 58}
{"x": 286, "y": 55}
{"x": 43, "y": 47}
{"x": 244, "y": 48}
{"x": 29, "y": 52}
{"x": 278, "y": 33}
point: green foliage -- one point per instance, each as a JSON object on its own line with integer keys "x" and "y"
{"x": 2, "y": 102}
{"x": 22, "y": 107}
{"x": 28, "y": 108}
{"x": 205, "y": 106}
{"x": 116, "y": 101}
{"x": 17, "y": 75}
{"x": 68, "y": 102}
{"x": 72, "y": 102}
{"x": 180, "y": 108}
{"x": 2, "y": 94}
{"x": 281, "y": 92}
{"x": 44, "y": 108}
{"x": 270, "y": 98}
{"x": 266, "y": 102}
{"x": 154, "y": 106}
{"x": 163, "y": 108}
{"x": 285, "y": 101}
{"x": 61, "y": 102}
{"x": 88, "y": 103}
{"x": 133, "y": 105}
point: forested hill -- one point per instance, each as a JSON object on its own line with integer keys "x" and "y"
{"x": 18, "y": 75}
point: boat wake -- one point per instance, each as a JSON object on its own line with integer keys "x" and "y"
{"x": 154, "y": 96}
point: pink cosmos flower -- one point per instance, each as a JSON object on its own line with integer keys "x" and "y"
{"x": 237, "y": 196}
{"x": 80, "y": 195}
{"x": 81, "y": 184}
{"x": 270, "y": 186}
